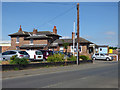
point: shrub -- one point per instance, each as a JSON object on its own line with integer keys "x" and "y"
{"x": 83, "y": 57}
{"x": 56, "y": 58}
{"x": 72, "y": 58}
{"x": 19, "y": 61}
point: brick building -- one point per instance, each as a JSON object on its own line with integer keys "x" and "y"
{"x": 45, "y": 40}
{"x": 4, "y": 45}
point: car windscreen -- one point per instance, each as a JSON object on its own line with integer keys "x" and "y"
{"x": 38, "y": 53}
{"x": 23, "y": 52}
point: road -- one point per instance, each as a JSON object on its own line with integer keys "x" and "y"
{"x": 98, "y": 75}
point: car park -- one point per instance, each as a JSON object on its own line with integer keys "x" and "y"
{"x": 35, "y": 54}
{"x": 101, "y": 56}
{"x": 20, "y": 54}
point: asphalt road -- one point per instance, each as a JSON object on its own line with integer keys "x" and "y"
{"x": 101, "y": 75}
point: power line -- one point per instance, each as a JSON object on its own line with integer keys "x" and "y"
{"x": 59, "y": 3}
{"x": 61, "y": 14}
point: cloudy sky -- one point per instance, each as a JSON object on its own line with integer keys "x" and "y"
{"x": 98, "y": 21}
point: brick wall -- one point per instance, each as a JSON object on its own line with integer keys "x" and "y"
{"x": 40, "y": 41}
{"x": 4, "y": 48}
{"x": 22, "y": 41}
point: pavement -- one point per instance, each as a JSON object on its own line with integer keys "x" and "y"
{"x": 100, "y": 74}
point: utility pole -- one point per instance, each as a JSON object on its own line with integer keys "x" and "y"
{"x": 78, "y": 34}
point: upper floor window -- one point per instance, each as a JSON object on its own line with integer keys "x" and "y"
{"x": 17, "y": 39}
{"x": 31, "y": 41}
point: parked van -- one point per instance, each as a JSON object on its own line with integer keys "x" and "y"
{"x": 35, "y": 54}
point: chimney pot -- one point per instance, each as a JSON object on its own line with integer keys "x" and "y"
{"x": 55, "y": 30}
{"x": 20, "y": 29}
{"x": 34, "y": 31}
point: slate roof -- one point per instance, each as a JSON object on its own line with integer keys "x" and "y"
{"x": 38, "y": 33}
{"x": 61, "y": 41}
{"x": 37, "y": 37}
{"x": 20, "y": 33}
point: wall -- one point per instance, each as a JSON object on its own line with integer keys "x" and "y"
{"x": 22, "y": 41}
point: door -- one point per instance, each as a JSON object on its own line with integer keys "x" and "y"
{"x": 97, "y": 56}
{"x": 102, "y": 56}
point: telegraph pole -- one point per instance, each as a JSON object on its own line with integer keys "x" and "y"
{"x": 78, "y": 34}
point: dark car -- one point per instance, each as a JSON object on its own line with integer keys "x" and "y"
{"x": 46, "y": 53}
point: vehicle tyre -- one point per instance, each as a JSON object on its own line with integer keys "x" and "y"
{"x": 107, "y": 59}
{"x": 93, "y": 58}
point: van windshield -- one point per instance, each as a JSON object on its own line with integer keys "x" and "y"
{"x": 38, "y": 53}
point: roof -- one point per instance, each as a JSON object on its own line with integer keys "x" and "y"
{"x": 20, "y": 33}
{"x": 32, "y": 46}
{"x": 102, "y": 45}
{"x": 38, "y": 37}
{"x": 61, "y": 41}
{"x": 38, "y": 33}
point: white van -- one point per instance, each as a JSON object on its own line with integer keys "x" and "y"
{"x": 35, "y": 54}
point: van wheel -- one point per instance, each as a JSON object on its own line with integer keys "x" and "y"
{"x": 107, "y": 59}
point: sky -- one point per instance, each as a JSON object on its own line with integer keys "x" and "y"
{"x": 98, "y": 21}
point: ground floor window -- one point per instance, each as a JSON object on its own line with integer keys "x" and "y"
{"x": 61, "y": 48}
{"x": 17, "y": 47}
{"x": 75, "y": 49}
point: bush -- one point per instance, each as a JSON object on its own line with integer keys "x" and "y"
{"x": 83, "y": 57}
{"x": 56, "y": 58}
{"x": 19, "y": 61}
{"x": 72, "y": 58}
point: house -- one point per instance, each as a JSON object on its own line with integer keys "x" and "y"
{"x": 36, "y": 40}
{"x": 33, "y": 40}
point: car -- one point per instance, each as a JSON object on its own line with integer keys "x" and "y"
{"x": 20, "y": 54}
{"x": 102, "y": 57}
{"x": 35, "y": 55}
{"x": 46, "y": 53}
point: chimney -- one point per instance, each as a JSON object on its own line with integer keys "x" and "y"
{"x": 73, "y": 35}
{"x": 34, "y": 31}
{"x": 20, "y": 29}
{"x": 55, "y": 30}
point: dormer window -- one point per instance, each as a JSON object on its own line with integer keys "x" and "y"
{"x": 31, "y": 41}
{"x": 17, "y": 39}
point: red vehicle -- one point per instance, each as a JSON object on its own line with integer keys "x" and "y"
{"x": 46, "y": 53}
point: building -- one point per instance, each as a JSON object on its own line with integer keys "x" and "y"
{"x": 36, "y": 40}
{"x": 4, "y": 45}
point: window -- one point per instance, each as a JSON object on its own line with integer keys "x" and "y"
{"x": 17, "y": 48}
{"x": 80, "y": 48}
{"x": 5, "y": 53}
{"x": 61, "y": 48}
{"x": 23, "y": 52}
{"x": 96, "y": 54}
{"x": 12, "y": 52}
{"x": 38, "y": 53}
{"x": 31, "y": 41}
{"x": 101, "y": 54}
{"x": 100, "y": 49}
{"x": 17, "y": 39}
